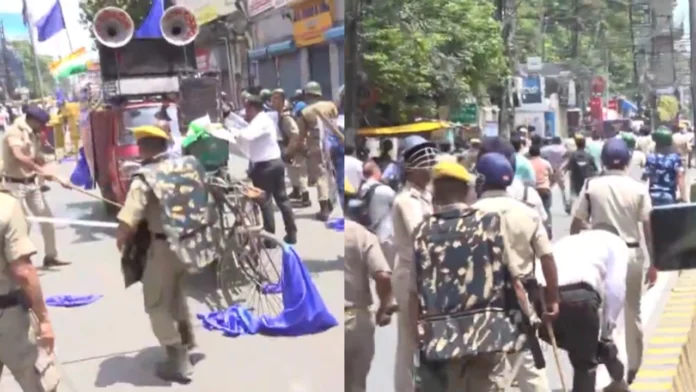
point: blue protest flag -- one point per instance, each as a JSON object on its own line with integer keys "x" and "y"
{"x": 150, "y": 28}
{"x": 50, "y": 24}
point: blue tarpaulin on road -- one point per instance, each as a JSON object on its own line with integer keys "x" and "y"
{"x": 304, "y": 312}
{"x": 337, "y": 224}
{"x": 81, "y": 176}
{"x": 71, "y": 301}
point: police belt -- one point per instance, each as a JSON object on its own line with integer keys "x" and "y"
{"x": 633, "y": 245}
{"x": 159, "y": 236}
{"x": 11, "y": 299}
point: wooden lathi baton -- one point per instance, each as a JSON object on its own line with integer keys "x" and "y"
{"x": 554, "y": 345}
{"x": 70, "y": 186}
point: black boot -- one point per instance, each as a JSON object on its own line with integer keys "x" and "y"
{"x": 295, "y": 194}
{"x": 324, "y": 211}
{"x": 188, "y": 339}
{"x": 177, "y": 367}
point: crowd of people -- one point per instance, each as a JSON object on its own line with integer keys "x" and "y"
{"x": 484, "y": 213}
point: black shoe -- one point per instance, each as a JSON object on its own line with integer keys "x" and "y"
{"x": 49, "y": 262}
{"x": 295, "y": 194}
{"x": 303, "y": 202}
{"x": 290, "y": 238}
{"x": 269, "y": 244}
{"x": 324, "y": 211}
{"x": 631, "y": 376}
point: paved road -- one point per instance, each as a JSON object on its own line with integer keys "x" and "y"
{"x": 381, "y": 374}
{"x": 108, "y": 345}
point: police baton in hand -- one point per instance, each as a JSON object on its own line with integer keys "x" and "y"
{"x": 554, "y": 345}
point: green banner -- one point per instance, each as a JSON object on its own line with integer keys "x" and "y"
{"x": 467, "y": 114}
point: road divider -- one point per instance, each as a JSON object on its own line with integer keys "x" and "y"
{"x": 669, "y": 359}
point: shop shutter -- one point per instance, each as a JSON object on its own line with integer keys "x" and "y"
{"x": 290, "y": 74}
{"x": 320, "y": 68}
{"x": 267, "y": 74}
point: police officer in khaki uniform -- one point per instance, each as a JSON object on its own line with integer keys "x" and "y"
{"x": 681, "y": 141}
{"x": 297, "y": 169}
{"x": 363, "y": 260}
{"x": 618, "y": 200}
{"x": 312, "y": 133}
{"x": 23, "y": 166}
{"x": 164, "y": 273}
{"x": 411, "y": 205}
{"x": 26, "y": 337}
{"x": 529, "y": 241}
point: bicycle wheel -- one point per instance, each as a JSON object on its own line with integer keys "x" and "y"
{"x": 261, "y": 258}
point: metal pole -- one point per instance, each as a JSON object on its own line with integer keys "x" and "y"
{"x": 9, "y": 82}
{"x": 67, "y": 34}
{"x": 692, "y": 36}
{"x": 352, "y": 79}
{"x": 633, "y": 54}
{"x": 32, "y": 41}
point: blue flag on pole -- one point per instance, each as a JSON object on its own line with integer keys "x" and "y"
{"x": 150, "y": 28}
{"x": 51, "y": 23}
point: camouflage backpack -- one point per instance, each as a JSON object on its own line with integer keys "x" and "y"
{"x": 189, "y": 216}
{"x": 467, "y": 305}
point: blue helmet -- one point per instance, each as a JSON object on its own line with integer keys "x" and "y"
{"x": 500, "y": 146}
{"x": 495, "y": 170}
{"x": 615, "y": 154}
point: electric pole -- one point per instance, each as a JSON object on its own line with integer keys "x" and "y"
{"x": 692, "y": 62}
{"x": 352, "y": 79}
{"x": 506, "y": 12}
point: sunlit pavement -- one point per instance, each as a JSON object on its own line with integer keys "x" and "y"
{"x": 381, "y": 375}
{"x": 109, "y": 346}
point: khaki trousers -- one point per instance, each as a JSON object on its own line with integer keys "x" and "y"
{"x": 359, "y": 348}
{"x": 164, "y": 294}
{"x": 31, "y": 367}
{"x": 317, "y": 172}
{"x": 35, "y": 204}
{"x": 405, "y": 339}
{"x": 297, "y": 173}
{"x": 635, "y": 286}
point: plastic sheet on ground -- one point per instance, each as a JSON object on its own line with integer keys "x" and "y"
{"x": 72, "y": 301}
{"x": 81, "y": 176}
{"x": 336, "y": 224}
{"x": 304, "y": 312}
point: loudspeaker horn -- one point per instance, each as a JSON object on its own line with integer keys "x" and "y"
{"x": 179, "y": 26}
{"x": 113, "y": 27}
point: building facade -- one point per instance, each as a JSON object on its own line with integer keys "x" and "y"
{"x": 296, "y": 42}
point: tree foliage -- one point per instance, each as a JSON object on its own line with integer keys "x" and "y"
{"x": 137, "y": 9}
{"x": 545, "y": 29}
{"x": 423, "y": 54}
{"x": 23, "y": 50}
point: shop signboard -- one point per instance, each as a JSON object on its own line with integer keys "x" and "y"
{"x": 259, "y": 6}
{"x": 467, "y": 114}
{"x": 310, "y": 20}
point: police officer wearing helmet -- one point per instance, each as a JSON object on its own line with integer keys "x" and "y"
{"x": 617, "y": 200}
{"x": 160, "y": 249}
{"x": 411, "y": 205}
{"x": 526, "y": 240}
{"x": 24, "y": 165}
{"x": 289, "y": 133}
{"x": 364, "y": 260}
{"x": 265, "y": 95}
{"x": 311, "y": 142}
{"x": 457, "y": 237}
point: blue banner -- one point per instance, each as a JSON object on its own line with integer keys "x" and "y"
{"x": 531, "y": 90}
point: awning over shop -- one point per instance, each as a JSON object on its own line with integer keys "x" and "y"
{"x": 628, "y": 106}
{"x": 258, "y": 54}
{"x": 335, "y": 34}
{"x": 281, "y": 48}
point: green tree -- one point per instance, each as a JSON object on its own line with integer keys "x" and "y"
{"x": 137, "y": 9}
{"x": 423, "y": 54}
{"x": 25, "y": 53}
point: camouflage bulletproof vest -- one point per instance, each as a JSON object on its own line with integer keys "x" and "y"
{"x": 189, "y": 216}
{"x": 467, "y": 305}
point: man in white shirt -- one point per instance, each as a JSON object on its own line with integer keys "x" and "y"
{"x": 380, "y": 199}
{"x": 267, "y": 169}
{"x": 592, "y": 269}
{"x": 353, "y": 167}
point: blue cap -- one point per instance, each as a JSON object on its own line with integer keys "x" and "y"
{"x": 413, "y": 141}
{"x": 615, "y": 154}
{"x": 37, "y": 114}
{"x": 495, "y": 144}
{"x": 495, "y": 169}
